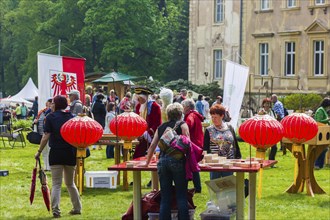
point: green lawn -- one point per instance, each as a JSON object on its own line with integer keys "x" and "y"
{"x": 111, "y": 204}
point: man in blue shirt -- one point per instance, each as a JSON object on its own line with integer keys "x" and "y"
{"x": 199, "y": 105}
{"x": 278, "y": 108}
{"x": 279, "y": 113}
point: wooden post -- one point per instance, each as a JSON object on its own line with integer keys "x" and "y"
{"x": 137, "y": 195}
{"x": 125, "y": 178}
{"x": 117, "y": 160}
{"x": 240, "y": 195}
{"x": 79, "y": 179}
{"x": 252, "y": 197}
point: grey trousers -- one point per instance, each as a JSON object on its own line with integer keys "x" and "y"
{"x": 57, "y": 176}
{"x": 45, "y": 157}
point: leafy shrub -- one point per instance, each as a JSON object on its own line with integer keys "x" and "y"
{"x": 25, "y": 124}
{"x": 211, "y": 89}
{"x": 180, "y": 84}
{"x": 302, "y": 102}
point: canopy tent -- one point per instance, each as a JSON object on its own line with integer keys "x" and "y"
{"x": 13, "y": 100}
{"x": 27, "y": 94}
{"x": 120, "y": 82}
{"x": 29, "y": 91}
{"x": 116, "y": 77}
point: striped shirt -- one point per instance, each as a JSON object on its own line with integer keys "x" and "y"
{"x": 279, "y": 109}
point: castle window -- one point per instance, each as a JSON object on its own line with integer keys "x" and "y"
{"x": 217, "y": 64}
{"x": 263, "y": 59}
{"x": 290, "y": 58}
{"x": 264, "y": 5}
{"x": 219, "y": 11}
{"x": 318, "y": 61}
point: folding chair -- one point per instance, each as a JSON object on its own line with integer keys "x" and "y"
{"x": 13, "y": 136}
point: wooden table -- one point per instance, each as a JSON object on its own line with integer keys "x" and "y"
{"x": 240, "y": 197}
{"x": 111, "y": 139}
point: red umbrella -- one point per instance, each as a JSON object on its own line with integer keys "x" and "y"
{"x": 44, "y": 187}
{"x": 33, "y": 182}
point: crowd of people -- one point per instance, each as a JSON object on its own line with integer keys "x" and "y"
{"x": 161, "y": 111}
{"x": 20, "y": 111}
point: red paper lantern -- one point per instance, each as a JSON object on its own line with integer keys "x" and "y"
{"x": 81, "y": 131}
{"x": 261, "y": 131}
{"x": 128, "y": 126}
{"x": 299, "y": 127}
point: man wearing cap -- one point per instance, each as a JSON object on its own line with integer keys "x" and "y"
{"x": 76, "y": 106}
{"x": 150, "y": 111}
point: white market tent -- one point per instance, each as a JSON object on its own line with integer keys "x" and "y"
{"x": 13, "y": 100}
{"x": 29, "y": 91}
{"x": 26, "y": 95}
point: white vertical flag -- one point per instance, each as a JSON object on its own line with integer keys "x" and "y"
{"x": 58, "y": 75}
{"x": 234, "y": 87}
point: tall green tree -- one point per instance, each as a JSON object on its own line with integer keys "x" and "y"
{"x": 178, "y": 36}
{"x": 35, "y": 26}
{"x": 131, "y": 36}
{"x": 6, "y": 45}
{"x": 145, "y": 37}
{"x": 20, "y": 23}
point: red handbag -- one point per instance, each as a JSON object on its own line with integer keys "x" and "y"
{"x": 150, "y": 203}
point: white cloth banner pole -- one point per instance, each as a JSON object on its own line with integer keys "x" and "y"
{"x": 234, "y": 87}
{"x": 46, "y": 63}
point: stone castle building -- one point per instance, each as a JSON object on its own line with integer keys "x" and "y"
{"x": 285, "y": 43}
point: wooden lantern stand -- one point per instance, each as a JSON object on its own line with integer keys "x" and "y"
{"x": 305, "y": 168}
{"x": 126, "y": 147}
{"x": 79, "y": 176}
{"x": 261, "y": 153}
{"x": 304, "y": 171}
